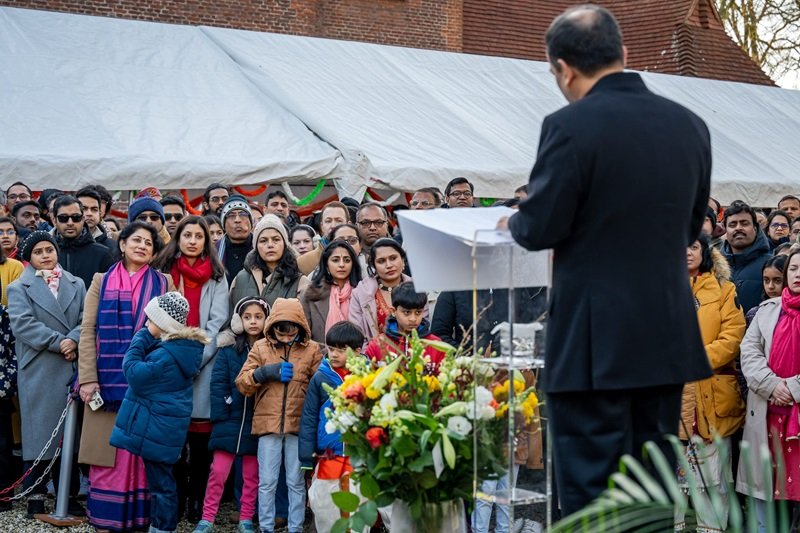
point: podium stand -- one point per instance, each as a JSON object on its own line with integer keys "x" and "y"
{"x": 459, "y": 250}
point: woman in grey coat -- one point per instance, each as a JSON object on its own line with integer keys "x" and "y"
{"x": 45, "y": 306}
{"x": 191, "y": 260}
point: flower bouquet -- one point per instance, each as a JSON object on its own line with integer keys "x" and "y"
{"x": 409, "y": 427}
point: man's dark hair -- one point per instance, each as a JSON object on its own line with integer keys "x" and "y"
{"x": 736, "y": 207}
{"x": 20, "y": 205}
{"x": 173, "y": 200}
{"x": 345, "y": 334}
{"x": 373, "y": 204}
{"x": 407, "y": 297}
{"x": 458, "y": 181}
{"x": 105, "y": 197}
{"x": 511, "y": 202}
{"x": 89, "y": 192}
{"x": 433, "y": 191}
{"x": 521, "y": 188}
{"x": 64, "y": 201}
{"x": 207, "y": 192}
{"x": 19, "y": 183}
{"x": 788, "y": 197}
{"x": 275, "y": 193}
{"x": 586, "y": 38}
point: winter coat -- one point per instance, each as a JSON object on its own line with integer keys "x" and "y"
{"x": 10, "y": 269}
{"x": 153, "y": 419}
{"x": 391, "y": 340}
{"x": 315, "y": 302}
{"x": 213, "y": 315}
{"x": 453, "y": 314}
{"x": 279, "y": 406}
{"x": 761, "y": 381}
{"x": 8, "y": 357}
{"x": 364, "y": 310}
{"x": 746, "y": 267}
{"x": 716, "y": 403}
{"x": 231, "y": 411}
{"x": 101, "y": 236}
{"x": 40, "y": 322}
{"x": 82, "y": 257}
{"x": 314, "y": 439}
{"x": 251, "y": 282}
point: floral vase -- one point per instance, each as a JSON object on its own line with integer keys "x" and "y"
{"x": 443, "y": 517}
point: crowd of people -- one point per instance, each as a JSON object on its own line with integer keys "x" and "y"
{"x": 199, "y": 346}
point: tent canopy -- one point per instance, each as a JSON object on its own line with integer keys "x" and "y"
{"x": 90, "y": 99}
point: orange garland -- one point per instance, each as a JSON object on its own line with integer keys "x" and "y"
{"x": 188, "y": 203}
{"x": 255, "y": 192}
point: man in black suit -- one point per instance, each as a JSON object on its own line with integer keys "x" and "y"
{"x": 622, "y": 337}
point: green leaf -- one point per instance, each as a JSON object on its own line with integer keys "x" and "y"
{"x": 368, "y": 486}
{"x": 448, "y": 450}
{"x": 346, "y": 501}
{"x": 357, "y": 523}
{"x": 385, "y": 374}
{"x": 439, "y": 345}
{"x": 420, "y": 463}
{"x": 423, "y": 440}
{"x": 368, "y": 513}
{"x": 428, "y": 480}
{"x": 405, "y": 446}
{"x": 340, "y": 526}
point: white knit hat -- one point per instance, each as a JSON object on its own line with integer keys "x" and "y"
{"x": 168, "y": 311}
{"x": 270, "y": 221}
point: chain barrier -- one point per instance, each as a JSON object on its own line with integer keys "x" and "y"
{"x": 38, "y": 460}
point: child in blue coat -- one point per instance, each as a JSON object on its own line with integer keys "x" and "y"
{"x": 232, "y": 415}
{"x": 152, "y": 422}
{"x": 315, "y": 442}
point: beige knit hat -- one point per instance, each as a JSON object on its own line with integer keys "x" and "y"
{"x": 168, "y": 311}
{"x": 270, "y": 221}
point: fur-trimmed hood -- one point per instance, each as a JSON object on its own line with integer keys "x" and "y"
{"x": 225, "y": 338}
{"x": 721, "y": 268}
{"x": 187, "y": 333}
{"x": 317, "y": 294}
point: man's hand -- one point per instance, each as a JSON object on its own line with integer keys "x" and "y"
{"x": 781, "y": 395}
{"x": 502, "y": 224}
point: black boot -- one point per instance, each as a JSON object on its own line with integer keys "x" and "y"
{"x": 195, "y": 511}
{"x": 74, "y": 508}
{"x": 35, "y": 507}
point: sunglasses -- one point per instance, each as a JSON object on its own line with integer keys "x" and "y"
{"x": 177, "y": 217}
{"x": 151, "y": 218}
{"x": 66, "y": 218}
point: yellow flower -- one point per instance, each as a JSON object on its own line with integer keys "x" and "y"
{"x": 501, "y": 411}
{"x": 367, "y": 380}
{"x": 519, "y": 386}
{"x": 419, "y": 368}
{"x": 373, "y": 393}
{"x": 529, "y": 407}
{"x": 399, "y": 380}
{"x": 432, "y": 382}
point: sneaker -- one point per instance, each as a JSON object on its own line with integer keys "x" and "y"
{"x": 204, "y": 526}
{"x": 245, "y": 526}
{"x": 35, "y": 507}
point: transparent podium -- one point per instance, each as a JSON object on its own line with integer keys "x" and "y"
{"x": 459, "y": 250}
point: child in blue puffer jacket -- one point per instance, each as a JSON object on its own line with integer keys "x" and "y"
{"x": 152, "y": 422}
{"x": 315, "y": 441}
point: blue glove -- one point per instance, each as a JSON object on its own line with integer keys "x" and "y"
{"x": 287, "y": 371}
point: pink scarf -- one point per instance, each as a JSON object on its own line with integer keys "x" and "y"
{"x": 338, "y": 305}
{"x": 784, "y": 356}
{"x": 51, "y": 278}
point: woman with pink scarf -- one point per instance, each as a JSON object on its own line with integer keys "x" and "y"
{"x": 770, "y": 359}
{"x": 327, "y": 300}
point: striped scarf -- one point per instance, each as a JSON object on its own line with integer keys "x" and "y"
{"x": 120, "y": 315}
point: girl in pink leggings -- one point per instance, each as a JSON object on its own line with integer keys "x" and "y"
{"x": 232, "y": 415}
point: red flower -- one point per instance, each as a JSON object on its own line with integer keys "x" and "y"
{"x": 355, "y": 392}
{"x": 376, "y": 437}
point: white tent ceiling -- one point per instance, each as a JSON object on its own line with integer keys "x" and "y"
{"x": 121, "y": 102}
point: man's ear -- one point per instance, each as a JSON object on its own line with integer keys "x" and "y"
{"x": 624, "y": 56}
{"x": 565, "y": 72}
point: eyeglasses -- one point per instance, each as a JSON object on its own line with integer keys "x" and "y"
{"x": 368, "y": 223}
{"x": 22, "y": 197}
{"x": 151, "y": 218}
{"x": 218, "y": 199}
{"x": 66, "y": 218}
{"x": 460, "y": 194}
{"x": 9, "y": 232}
{"x": 352, "y": 241}
{"x": 172, "y": 216}
{"x": 779, "y": 225}
{"x": 420, "y": 203}
{"x": 238, "y": 213}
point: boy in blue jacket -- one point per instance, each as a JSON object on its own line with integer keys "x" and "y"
{"x": 314, "y": 440}
{"x": 152, "y": 422}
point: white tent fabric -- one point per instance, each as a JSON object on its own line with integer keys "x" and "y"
{"x": 410, "y": 118}
{"x": 129, "y": 104}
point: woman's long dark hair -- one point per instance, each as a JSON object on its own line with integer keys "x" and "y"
{"x": 384, "y": 242}
{"x": 135, "y": 226}
{"x": 323, "y": 274}
{"x": 706, "y": 261}
{"x": 166, "y": 259}
{"x": 287, "y": 266}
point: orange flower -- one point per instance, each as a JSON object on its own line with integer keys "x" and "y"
{"x": 376, "y": 437}
{"x": 355, "y": 392}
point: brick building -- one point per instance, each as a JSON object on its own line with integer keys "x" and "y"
{"x": 674, "y": 36}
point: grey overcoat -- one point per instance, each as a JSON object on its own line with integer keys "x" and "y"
{"x": 213, "y": 315}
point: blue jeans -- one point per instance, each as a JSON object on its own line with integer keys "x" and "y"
{"x": 483, "y": 509}
{"x": 163, "y": 496}
{"x": 269, "y": 462}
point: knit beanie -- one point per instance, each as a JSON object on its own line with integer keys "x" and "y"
{"x": 141, "y": 205}
{"x": 168, "y": 311}
{"x": 270, "y": 221}
{"x": 35, "y": 237}
{"x": 236, "y": 202}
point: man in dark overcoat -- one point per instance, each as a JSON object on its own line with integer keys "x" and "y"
{"x": 622, "y": 336}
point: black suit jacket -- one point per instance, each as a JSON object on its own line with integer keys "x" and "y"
{"x": 619, "y": 189}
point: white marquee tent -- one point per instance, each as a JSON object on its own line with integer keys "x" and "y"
{"x": 105, "y": 100}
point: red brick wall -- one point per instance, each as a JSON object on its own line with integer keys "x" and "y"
{"x": 434, "y": 24}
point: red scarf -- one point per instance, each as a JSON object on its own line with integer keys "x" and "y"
{"x": 190, "y": 280}
{"x": 784, "y": 355}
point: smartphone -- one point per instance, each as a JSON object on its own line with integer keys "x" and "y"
{"x": 96, "y": 402}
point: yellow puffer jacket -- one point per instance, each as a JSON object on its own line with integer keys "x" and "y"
{"x": 715, "y": 403}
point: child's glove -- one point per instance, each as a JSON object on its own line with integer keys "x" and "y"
{"x": 287, "y": 371}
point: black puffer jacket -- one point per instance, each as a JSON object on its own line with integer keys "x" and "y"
{"x": 82, "y": 257}
{"x": 746, "y": 267}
